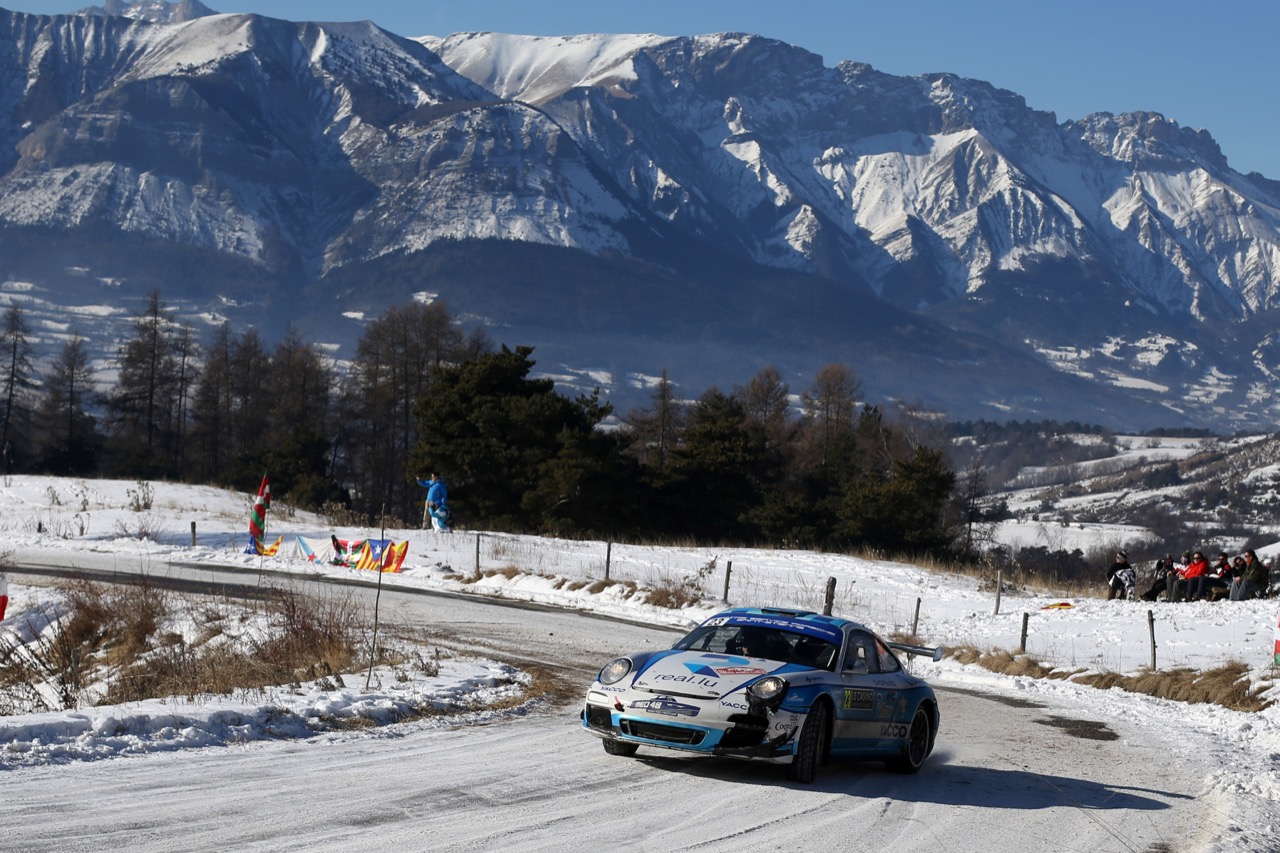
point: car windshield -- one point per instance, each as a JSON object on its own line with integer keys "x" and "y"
{"x": 762, "y": 642}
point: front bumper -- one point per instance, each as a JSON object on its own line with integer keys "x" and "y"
{"x": 732, "y": 732}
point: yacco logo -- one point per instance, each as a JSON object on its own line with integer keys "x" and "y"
{"x": 740, "y": 670}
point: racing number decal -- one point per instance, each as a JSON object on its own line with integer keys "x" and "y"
{"x": 858, "y": 700}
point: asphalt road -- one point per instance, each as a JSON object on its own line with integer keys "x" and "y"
{"x": 1007, "y": 775}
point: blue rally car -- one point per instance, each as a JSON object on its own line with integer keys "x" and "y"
{"x": 786, "y": 686}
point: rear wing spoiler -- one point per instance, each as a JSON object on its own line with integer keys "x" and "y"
{"x": 935, "y": 653}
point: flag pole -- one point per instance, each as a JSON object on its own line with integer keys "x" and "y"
{"x": 377, "y": 599}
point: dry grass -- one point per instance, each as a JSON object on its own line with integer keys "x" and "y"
{"x": 673, "y": 594}
{"x": 116, "y": 635}
{"x": 1228, "y": 685}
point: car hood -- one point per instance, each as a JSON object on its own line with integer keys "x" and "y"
{"x": 702, "y": 674}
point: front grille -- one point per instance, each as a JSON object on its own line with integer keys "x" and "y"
{"x": 598, "y": 717}
{"x": 657, "y": 731}
{"x": 746, "y": 731}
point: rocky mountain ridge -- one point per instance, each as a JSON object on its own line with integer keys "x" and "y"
{"x": 627, "y": 204}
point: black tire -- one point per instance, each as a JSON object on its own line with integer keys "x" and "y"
{"x": 620, "y": 747}
{"x": 812, "y": 746}
{"x": 919, "y": 744}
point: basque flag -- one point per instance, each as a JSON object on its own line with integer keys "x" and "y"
{"x": 258, "y": 518}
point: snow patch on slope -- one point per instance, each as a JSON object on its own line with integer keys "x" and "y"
{"x": 536, "y": 68}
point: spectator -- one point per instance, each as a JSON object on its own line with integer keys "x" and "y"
{"x": 4, "y": 595}
{"x": 1121, "y": 579}
{"x": 1160, "y": 582}
{"x": 437, "y": 508}
{"x": 1217, "y": 582}
{"x": 1195, "y": 573}
{"x": 1254, "y": 580}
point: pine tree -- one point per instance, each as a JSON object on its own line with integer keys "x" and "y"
{"x": 716, "y": 471}
{"x": 494, "y": 432}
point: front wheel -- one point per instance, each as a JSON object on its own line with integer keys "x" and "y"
{"x": 813, "y": 738}
{"x": 620, "y": 747}
{"x": 919, "y": 744}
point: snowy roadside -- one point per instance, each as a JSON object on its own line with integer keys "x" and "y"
{"x": 1242, "y": 748}
{"x": 464, "y": 691}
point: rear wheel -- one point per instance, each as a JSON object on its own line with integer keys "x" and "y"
{"x": 813, "y": 740}
{"x": 620, "y": 747}
{"x": 919, "y": 744}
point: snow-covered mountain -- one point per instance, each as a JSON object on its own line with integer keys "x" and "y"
{"x": 633, "y": 203}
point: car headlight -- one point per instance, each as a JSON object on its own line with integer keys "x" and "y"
{"x": 768, "y": 689}
{"x": 614, "y": 670}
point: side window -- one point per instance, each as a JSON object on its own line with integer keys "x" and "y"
{"x": 860, "y": 656}
{"x": 888, "y": 663}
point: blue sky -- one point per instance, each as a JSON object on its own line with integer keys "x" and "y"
{"x": 1207, "y": 66}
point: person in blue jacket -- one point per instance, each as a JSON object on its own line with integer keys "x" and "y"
{"x": 437, "y": 508}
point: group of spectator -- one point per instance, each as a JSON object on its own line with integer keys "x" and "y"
{"x": 1194, "y": 578}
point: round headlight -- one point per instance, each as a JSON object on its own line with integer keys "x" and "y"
{"x": 614, "y": 670}
{"x": 768, "y": 688}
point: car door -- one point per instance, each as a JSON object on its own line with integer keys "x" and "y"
{"x": 870, "y": 697}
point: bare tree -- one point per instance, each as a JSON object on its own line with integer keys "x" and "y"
{"x": 831, "y": 407}
{"x": 766, "y": 399}
{"x": 18, "y": 379}
{"x": 391, "y": 372}
{"x": 67, "y": 431}
{"x": 656, "y": 429}
{"x": 140, "y": 409}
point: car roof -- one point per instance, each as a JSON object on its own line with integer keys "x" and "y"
{"x": 800, "y": 617}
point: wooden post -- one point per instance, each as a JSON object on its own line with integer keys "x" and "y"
{"x": 193, "y": 534}
{"x": 377, "y": 600}
{"x": 477, "y": 556}
{"x": 915, "y": 620}
{"x": 1022, "y": 643}
{"x": 999, "y": 587}
{"x": 728, "y": 573}
{"x": 1151, "y": 626}
{"x": 831, "y": 597}
{"x": 608, "y": 558}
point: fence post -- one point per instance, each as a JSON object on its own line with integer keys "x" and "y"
{"x": 1022, "y": 643}
{"x": 477, "y": 556}
{"x": 915, "y": 620}
{"x": 1151, "y": 626}
{"x": 608, "y": 558}
{"x": 193, "y": 534}
{"x": 728, "y": 573}
{"x": 999, "y": 587}
{"x": 831, "y": 597}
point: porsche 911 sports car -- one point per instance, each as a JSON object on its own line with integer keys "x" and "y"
{"x": 786, "y": 686}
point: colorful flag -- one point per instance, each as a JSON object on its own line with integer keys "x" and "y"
{"x": 258, "y": 518}
{"x": 371, "y": 553}
{"x": 393, "y": 558}
{"x": 1278, "y": 641}
{"x": 268, "y": 550}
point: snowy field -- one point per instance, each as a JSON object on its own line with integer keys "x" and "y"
{"x": 97, "y": 524}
